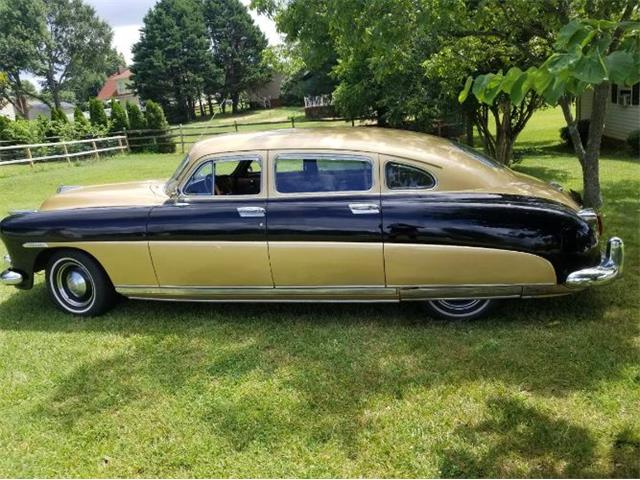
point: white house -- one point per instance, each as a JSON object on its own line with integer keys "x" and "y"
{"x": 8, "y": 111}
{"x": 623, "y": 111}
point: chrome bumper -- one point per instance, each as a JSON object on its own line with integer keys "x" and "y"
{"x": 11, "y": 277}
{"x": 609, "y": 269}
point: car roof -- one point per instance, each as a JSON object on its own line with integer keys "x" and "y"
{"x": 399, "y": 143}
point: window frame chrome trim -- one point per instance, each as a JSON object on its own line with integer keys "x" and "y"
{"x": 310, "y": 155}
{"x": 388, "y": 189}
{"x": 188, "y": 199}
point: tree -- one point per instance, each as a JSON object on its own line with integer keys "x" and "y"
{"x": 97, "y": 115}
{"x": 156, "y": 121}
{"x": 75, "y": 41}
{"x": 237, "y": 45}
{"x": 86, "y": 83}
{"x": 172, "y": 59}
{"x": 119, "y": 119}
{"x": 20, "y": 27}
{"x": 589, "y": 55}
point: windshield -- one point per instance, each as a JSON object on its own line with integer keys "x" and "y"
{"x": 472, "y": 152}
{"x": 172, "y": 183}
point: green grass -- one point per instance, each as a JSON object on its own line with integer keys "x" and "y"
{"x": 543, "y": 388}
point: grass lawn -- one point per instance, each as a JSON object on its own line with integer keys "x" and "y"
{"x": 544, "y": 388}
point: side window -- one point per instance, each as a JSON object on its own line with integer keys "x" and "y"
{"x": 320, "y": 173}
{"x": 226, "y": 177}
{"x": 201, "y": 182}
{"x": 407, "y": 177}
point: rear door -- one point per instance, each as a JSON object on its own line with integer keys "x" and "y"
{"x": 215, "y": 234}
{"x": 324, "y": 220}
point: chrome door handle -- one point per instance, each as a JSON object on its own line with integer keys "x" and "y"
{"x": 251, "y": 211}
{"x": 364, "y": 208}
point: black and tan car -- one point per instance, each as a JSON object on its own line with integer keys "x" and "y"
{"x": 337, "y": 215}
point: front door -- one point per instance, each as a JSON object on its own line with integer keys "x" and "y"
{"x": 324, "y": 220}
{"x": 214, "y": 235}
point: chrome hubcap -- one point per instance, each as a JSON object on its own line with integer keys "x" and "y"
{"x": 73, "y": 284}
{"x": 76, "y": 284}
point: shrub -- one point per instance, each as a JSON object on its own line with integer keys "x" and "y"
{"x": 157, "y": 121}
{"x": 136, "y": 122}
{"x": 79, "y": 118}
{"x": 633, "y": 140}
{"x": 119, "y": 119}
{"x": 58, "y": 115}
{"x": 583, "y": 130}
{"x": 22, "y": 132}
{"x": 97, "y": 115}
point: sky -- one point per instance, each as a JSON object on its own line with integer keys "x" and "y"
{"x": 125, "y": 17}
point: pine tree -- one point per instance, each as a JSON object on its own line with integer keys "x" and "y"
{"x": 237, "y": 46}
{"x": 97, "y": 115}
{"x": 173, "y": 58}
{"x": 119, "y": 120}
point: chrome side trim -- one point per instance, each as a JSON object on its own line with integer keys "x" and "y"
{"x": 35, "y": 245}
{"x": 11, "y": 277}
{"x": 338, "y": 294}
{"x": 610, "y": 268}
{"x": 66, "y": 188}
{"x": 21, "y": 212}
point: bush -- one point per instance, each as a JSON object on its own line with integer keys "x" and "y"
{"x": 79, "y": 118}
{"x": 22, "y": 132}
{"x": 157, "y": 121}
{"x": 119, "y": 120}
{"x": 58, "y": 115}
{"x": 97, "y": 115}
{"x": 583, "y": 130}
{"x": 136, "y": 122}
{"x": 633, "y": 140}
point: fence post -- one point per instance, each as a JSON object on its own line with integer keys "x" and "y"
{"x": 120, "y": 144}
{"x": 235, "y": 125}
{"x": 95, "y": 150}
{"x": 66, "y": 153}
{"x": 126, "y": 140}
{"x": 181, "y": 138}
{"x": 353, "y": 122}
{"x": 29, "y": 156}
{"x": 293, "y": 122}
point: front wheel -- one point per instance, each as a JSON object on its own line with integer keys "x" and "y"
{"x": 460, "y": 309}
{"x": 77, "y": 284}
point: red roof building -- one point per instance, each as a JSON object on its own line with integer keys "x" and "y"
{"x": 119, "y": 87}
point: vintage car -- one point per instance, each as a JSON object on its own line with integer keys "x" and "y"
{"x": 313, "y": 215}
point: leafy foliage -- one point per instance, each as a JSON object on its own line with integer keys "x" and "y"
{"x": 237, "y": 46}
{"x": 119, "y": 119}
{"x": 156, "y": 120}
{"x": 97, "y": 115}
{"x": 172, "y": 63}
{"x": 79, "y": 118}
{"x": 136, "y": 118}
{"x": 579, "y": 62}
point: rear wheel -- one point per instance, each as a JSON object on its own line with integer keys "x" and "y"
{"x": 77, "y": 284}
{"x": 460, "y": 309}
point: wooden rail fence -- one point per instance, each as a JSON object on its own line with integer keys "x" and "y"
{"x": 42, "y": 152}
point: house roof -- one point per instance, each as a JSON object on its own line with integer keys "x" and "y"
{"x": 110, "y": 87}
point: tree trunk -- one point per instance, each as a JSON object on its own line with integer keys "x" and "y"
{"x": 210, "y": 103}
{"x": 591, "y": 165}
{"x": 235, "y": 98}
{"x": 504, "y": 134}
{"x": 468, "y": 128}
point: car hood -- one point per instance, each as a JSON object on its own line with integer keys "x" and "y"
{"x": 146, "y": 193}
